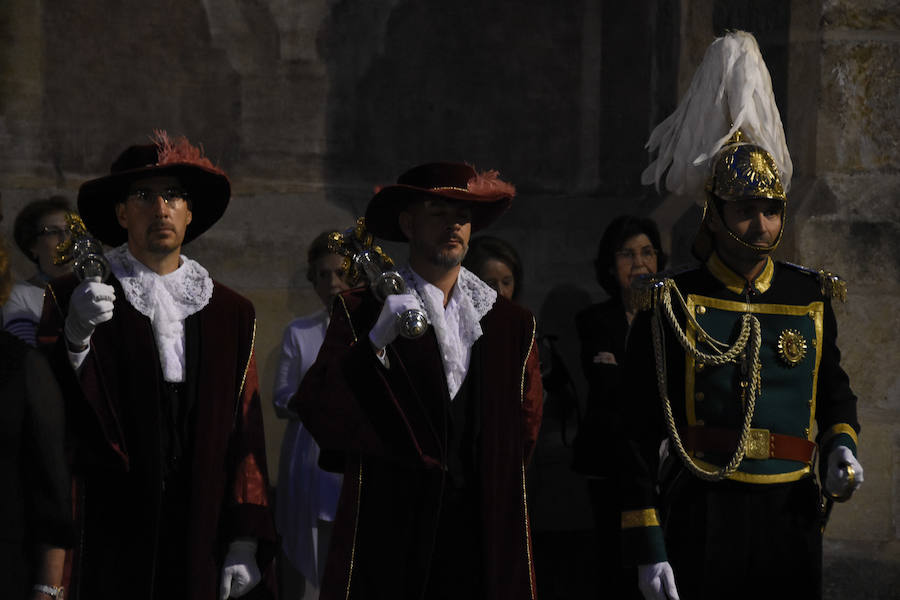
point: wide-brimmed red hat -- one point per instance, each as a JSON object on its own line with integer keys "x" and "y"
{"x": 207, "y": 186}
{"x": 486, "y": 193}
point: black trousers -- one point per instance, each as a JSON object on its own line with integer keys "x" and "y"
{"x": 171, "y": 576}
{"x": 735, "y": 540}
{"x": 457, "y": 565}
{"x": 613, "y": 579}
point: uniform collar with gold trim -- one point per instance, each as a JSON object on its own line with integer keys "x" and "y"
{"x": 736, "y": 283}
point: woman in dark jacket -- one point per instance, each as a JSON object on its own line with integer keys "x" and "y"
{"x": 35, "y": 508}
{"x": 630, "y": 247}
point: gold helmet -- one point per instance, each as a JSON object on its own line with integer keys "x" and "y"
{"x": 742, "y": 169}
{"x": 726, "y": 137}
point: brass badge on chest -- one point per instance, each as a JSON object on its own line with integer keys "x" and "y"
{"x": 791, "y": 347}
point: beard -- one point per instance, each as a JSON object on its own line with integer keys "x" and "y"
{"x": 444, "y": 258}
{"x": 448, "y": 259}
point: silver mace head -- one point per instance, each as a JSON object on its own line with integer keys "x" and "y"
{"x": 89, "y": 260}
{"x": 85, "y": 252}
{"x": 387, "y": 283}
{"x": 413, "y": 323}
{"x": 365, "y": 259}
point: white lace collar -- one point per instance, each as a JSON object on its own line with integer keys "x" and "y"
{"x": 458, "y": 325}
{"x": 167, "y": 300}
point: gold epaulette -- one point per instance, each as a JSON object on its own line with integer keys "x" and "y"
{"x": 647, "y": 290}
{"x": 832, "y": 285}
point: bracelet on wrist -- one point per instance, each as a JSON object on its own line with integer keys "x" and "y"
{"x": 51, "y": 591}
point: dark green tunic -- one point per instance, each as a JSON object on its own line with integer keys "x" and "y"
{"x": 763, "y": 523}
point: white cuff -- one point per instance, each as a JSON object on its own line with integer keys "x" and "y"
{"x": 383, "y": 357}
{"x": 76, "y": 359}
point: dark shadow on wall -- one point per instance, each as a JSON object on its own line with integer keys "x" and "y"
{"x": 503, "y": 86}
{"x": 770, "y": 22}
{"x": 495, "y": 84}
{"x": 113, "y": 71}
{"x": 562, "y": 522}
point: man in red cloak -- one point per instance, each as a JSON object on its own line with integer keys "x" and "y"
{"x": 434, "y": 432}
{"x": 161, "y": 386}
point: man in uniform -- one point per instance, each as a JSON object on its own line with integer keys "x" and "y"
{"x": 435, "y": 431}
{"x": 734, "y": 366}
{"x": 161, "y": 381}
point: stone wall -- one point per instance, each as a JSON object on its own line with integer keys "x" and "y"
{"x": 848, "y": 219}
{"x": 309, "y": 105}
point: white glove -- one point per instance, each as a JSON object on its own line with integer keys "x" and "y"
{"x": 91, "y": 304}
{"x": 239, "y": 573}
{"x": 387, "y": 327}
{"x": 657, "y": 581}
{"x": 838, "y": 481}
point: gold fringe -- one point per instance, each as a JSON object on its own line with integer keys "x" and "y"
{"x": 832, "y": 286}
{"x": 646, "y": 292}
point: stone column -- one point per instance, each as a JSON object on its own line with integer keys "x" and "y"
{"x": 845, "y": 55}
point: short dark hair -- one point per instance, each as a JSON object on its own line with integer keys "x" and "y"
{"x": 317, "y": 249}
{"x": 486, "y": 247}
{"x": 619, "y": 231}
{"x": 25, "y": 227}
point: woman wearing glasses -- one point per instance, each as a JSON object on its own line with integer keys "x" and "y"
{"x": 36, "y": 504}
{"x": 38, "y": 228}
{"x": 630, "y": 247}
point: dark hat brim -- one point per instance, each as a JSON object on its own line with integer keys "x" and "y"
{"x": 209, "y": 193}
{"x": 383, "y": 212}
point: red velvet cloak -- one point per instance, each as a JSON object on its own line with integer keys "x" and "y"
{"x": 396, "y": 457}
{"x": 121, "y": 376}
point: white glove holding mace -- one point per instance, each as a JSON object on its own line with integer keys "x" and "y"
{"x": 91, "y": 304}
{"x": 844, "y": 474}
{"x": 387, "y": 327}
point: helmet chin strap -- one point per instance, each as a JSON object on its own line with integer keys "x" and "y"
{"x": 761, "y": 250}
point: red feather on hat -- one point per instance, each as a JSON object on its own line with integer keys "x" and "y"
{"x": 180, "y": 150}
{"x": 489, "y": 183}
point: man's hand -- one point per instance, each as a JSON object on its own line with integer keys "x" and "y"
{"x": 844, "y": 475}
{"x": 90, "y": 305}
{"x": 387, "y": 327}
{"x": 240, "y": 574}
{"x": 657, "y": 582}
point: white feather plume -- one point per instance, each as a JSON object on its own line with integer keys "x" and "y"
{"x": 731, "y": 90}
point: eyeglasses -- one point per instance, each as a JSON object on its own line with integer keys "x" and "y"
{"x": 59, "y": 233}
{"x": 173, "y": 197}
{"x": 645, "y": 254}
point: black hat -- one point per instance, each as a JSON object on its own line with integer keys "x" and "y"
{"x": 487, "y": 194}
{"x": 207, "y": 186}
